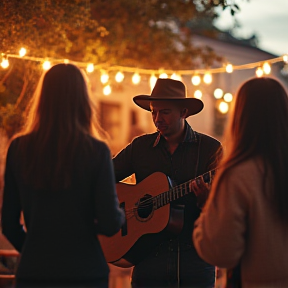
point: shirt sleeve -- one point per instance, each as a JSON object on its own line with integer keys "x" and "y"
{"x": 219, "y": 232}
{"x": 11, "y": 207}
{"x": 123, "y": 164}
{"x": 109, "y": 217}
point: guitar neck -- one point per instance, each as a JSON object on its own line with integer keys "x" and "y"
{"x": 181, "y": 190}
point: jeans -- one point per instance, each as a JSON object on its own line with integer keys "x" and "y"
{"x": 173, "y": 264}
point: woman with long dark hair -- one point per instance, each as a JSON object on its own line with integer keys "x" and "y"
{"x": 249, "y": 195}
{"x": 60, "y": 175}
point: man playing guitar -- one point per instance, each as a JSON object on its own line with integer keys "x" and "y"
{"x": 165, "y": 259}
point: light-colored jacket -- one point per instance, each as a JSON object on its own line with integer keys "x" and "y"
{"x": 239, "y": 224}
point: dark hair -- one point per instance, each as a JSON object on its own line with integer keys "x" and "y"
{"x": 60, "y": 120}
{"x": 259, "y": 127}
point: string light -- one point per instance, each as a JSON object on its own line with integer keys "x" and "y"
{"x": 163, "y": 75}
{"x": 259, "y": 72}
{"x": 136, "y": 78}
{"x": 228, "y": 97}
{"x": 119, "y": 77}
{"x": 229, "y": 68}
{"x": 22, "y": 52}
{"x": 196, "y": 80}
{"x": 207, "y": 78}
{"x": 198, "y": 94}
{"x": 104, "y": 77}
{"x": 46, "y": 65}
{"x": 175, "y": 76}
{"x": 5, "y": 63}
{"x": 223, "y": 107}
{"x": 218, "y": 93}
{"x": 107, "y": 90}
{"x": 90, "y": 68}
{"x": 266, "y": 68}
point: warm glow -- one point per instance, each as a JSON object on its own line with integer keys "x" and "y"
{"x": 175, "y": 76}
{"x": 229, "y": 68}
{"x": 136, "y": 78}
{"x": 90, "y": 68}
{"x": 285, "y": 58}
{"x": 107, "y": 90}
{"x": 207, "y": 78}
{"x": 153, "y": 80}
{"x": 196, "y": 80}
{"x": 266, "y": 68}
{"x": 46, "y": 65}
{"x": 5, "y": 63}
{"x": 22, "y": 52}
{"x": 163, "y": 75}
{"x": 198, "y": 94}
{"x": 259, "y": 72}
{"x": 218, "y": 93}
{"x": 228, "y": 97}
{"x": 119, "y": 77}
{"x": 223, "y": 107}
{"x": 104, "y": 78}
{"x": 66, "y": 61}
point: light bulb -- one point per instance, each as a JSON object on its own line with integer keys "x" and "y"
{"x": 196, "y": 80}
{"x": 218, "y": 93}
{"x": 90, "y": 68}
{"x": 136, "y": 78}
{"x": 119, "y": 77}
{"x": 198, "y": 94}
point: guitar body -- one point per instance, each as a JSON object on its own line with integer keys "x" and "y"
{"x": 142, "y": 219}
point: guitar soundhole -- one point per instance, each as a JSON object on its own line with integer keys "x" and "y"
{"x": 145, "y": 208}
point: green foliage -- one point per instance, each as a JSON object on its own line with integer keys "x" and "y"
{"x": 138, "y": 33}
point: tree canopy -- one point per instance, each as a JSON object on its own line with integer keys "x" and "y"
{"x": 143, "y": 33}
{"x": 138, "y": 33}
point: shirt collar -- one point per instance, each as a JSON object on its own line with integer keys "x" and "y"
{"x": 190, "y": 135}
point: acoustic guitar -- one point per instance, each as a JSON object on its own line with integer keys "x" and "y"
{"x": 148, "y": 212}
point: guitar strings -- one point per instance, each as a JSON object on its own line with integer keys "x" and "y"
{"x": 144, "y": 204}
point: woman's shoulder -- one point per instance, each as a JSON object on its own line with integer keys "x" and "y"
{"x": 98, "y": 144}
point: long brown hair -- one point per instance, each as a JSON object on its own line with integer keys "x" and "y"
{"x": 259, "y": 127}
{"x": 60, "y": 120}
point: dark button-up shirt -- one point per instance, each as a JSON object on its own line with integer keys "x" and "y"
{"x": 147, "y": 154}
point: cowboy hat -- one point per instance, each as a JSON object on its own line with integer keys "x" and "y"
{"x": 170, "y": 90}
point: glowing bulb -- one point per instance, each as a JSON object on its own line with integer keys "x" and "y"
{"x": 266, "y": 68}
{"x": 207, "y": 78}
{"x": 107, "y": 90}
{"x": 175, "y": 76}
{"x": 218, "y": 93}
{"x": 5, "y": 63}
{"x": 259, "y": 72}
{"x": 22, "y": 52}
{"x": 223, "y": 107}
{"x": 196, "y": 80}
{"x": 104, "y": 78}
{"x": 285, "y": 58}
{"x": 229, "y": 68}
{"x": 119, "y": 77}
{"x": 228, "y": 97}
{"x": 163, "y": 76}
{"x": 153, "y": 80}
{"x": 136, "y": 78}
{"x": 66, "y": 61}
{"x": 46, "y": 65}
{"x": 90, "y": 68}
{"x": 198, "y": 94}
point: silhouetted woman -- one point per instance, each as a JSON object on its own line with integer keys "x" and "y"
{"x": 62, "y": 178}
{"x": 245, "y": 220}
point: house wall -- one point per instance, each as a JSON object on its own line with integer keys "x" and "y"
{"x": 131, "y": 125}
